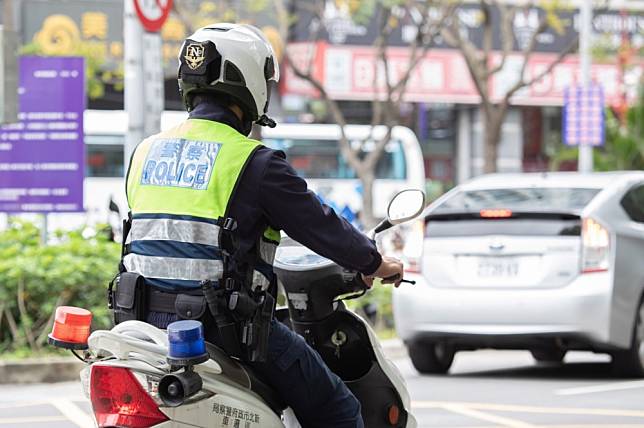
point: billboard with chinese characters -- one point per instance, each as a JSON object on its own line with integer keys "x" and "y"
{"x": 42, "y": 157}
{"x": 352, "y": 73}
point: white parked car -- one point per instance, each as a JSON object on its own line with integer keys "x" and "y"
{"x": 544, "y": 262}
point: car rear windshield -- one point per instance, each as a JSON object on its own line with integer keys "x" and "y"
{"x": 446, "y": 228}
{"x": 533, "y": 199}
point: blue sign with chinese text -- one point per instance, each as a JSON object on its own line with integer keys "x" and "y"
{"x": 583, "y": 116}
{"x": 42, "y": 157}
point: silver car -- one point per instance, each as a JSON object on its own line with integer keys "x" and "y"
{"x": 545, "y": 262}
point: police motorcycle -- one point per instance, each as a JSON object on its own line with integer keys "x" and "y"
{"x": 140, "y": 376}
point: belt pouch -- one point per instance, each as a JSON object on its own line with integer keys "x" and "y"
{"x": 190, "y": 307}
{"x": 129, "y": 301}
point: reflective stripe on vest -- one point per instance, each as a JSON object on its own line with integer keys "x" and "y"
{"x": 174, "y": 268}
{"x": 179, "y": 185}
{"x": 174, "y": 229}
{"x": 267, "y": 247}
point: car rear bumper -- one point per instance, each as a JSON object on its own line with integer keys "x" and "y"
{"x": 578, "y": 312}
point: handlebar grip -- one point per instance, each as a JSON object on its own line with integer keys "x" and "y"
{"x": 395, "y": 277}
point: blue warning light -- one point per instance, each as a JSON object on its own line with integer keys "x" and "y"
{"x": 186, "y": 339}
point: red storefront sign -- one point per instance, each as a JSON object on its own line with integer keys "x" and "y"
{"x": 350, "y": 73}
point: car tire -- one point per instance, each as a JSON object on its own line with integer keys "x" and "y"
{"x": 548, "y": 355}
{"x": 630, "y": 362}
{"x": 431, "y": 358}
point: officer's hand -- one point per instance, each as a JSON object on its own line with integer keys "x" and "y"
{"x": 390, "y": 267}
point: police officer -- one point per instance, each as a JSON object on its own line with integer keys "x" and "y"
{"x": 189, "y": 185}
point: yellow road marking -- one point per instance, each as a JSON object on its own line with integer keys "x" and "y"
{"x": 607, "y": 387}
{"x": 531, "y": 409}
{"x": 476, "y": 414}
{"x": 74, "y": 413}
{"x": 32, "y": 420}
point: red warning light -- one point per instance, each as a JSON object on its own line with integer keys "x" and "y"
{"x": 393, "y": 415}
{"x": 71, "y": 326}
{"x": 495, "y": 213}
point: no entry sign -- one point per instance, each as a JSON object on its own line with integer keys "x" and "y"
{"x": 152, "y": 13}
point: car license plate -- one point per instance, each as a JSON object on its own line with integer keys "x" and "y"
{"x": 498, "y": 267}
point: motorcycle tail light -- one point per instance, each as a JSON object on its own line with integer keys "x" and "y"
{"x": 119, "y": 400}
{"x": 393, "y": 415}
{"x": 595, "y": 251}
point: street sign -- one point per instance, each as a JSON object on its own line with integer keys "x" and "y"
{"x": 42, "y": 157}
{"x": 583, "y": 116}
{"x": 152, "y": 13}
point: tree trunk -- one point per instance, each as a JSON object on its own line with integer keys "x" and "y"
{"x": 493, "y": 122}
{"x": 366, "y": 215}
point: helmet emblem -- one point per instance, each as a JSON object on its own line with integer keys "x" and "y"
{"x": 195, "y": 55}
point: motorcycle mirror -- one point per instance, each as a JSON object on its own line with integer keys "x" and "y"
{"x": 405, "y": 206}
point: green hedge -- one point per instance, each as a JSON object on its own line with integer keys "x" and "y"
{"x": 74, "y": 269}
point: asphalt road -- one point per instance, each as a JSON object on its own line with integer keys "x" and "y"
{"x": 484, "y": 389}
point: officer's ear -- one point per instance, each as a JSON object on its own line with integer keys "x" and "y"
{"x": 237, "y": 110}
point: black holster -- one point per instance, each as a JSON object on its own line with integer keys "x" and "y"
{"x": 128, "y": 300}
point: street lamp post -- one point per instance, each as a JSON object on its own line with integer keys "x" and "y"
{"x": 585, "y": 33}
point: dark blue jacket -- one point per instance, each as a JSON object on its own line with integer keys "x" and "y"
{"x": 270, "y": 193}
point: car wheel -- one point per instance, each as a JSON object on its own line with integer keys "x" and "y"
{"x": 548, "y": 355}
{"x": 431, "y": 358}
{"x": 630, "y": 362}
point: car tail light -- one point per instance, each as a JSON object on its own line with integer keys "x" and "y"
{"x": 495, "y": 213}
{"x": 595, "y": 251}
{"x": 413, "y": 251}
{"x": 119, "y": 400}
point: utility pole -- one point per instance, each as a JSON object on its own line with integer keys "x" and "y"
{"x": 144, "y": 96}
{"x": 134, "y": 82}
{"x": 585, "y": 33}
{"x": 8, "y": 64}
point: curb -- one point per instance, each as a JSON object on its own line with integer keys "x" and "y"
{"x": 40, "y": 370}
{"x": 63, "y": 369}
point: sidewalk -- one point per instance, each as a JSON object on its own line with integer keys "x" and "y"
{"x": 63, "y": 369}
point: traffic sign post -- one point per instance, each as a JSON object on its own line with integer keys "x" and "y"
{"x": 144, "y": 96}
{"x": 583, "y": 116}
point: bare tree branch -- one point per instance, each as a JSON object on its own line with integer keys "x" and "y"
{"x": 386, "y": 108}
{"x": 488, "y": 31}
{"x": 507, "y": 37}
{"x": 453, "y": 37}
{"x": 522, "y": 83}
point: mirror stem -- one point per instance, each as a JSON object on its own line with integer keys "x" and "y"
{"x": 382, "y": 226}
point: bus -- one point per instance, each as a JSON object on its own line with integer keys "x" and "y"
{"x": 312, "y": 149}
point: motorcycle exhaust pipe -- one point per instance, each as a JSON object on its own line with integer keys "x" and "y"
{"x": 174, "y": 389}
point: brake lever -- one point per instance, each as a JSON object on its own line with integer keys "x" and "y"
{"x": 395, "y": 277}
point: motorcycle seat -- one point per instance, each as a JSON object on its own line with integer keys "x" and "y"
{"x": 245, "y": 376}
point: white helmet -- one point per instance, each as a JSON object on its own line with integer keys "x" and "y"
{"x": 234, "y": 60}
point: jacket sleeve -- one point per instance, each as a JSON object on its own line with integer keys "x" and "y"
{"x": 290, "y": 206}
